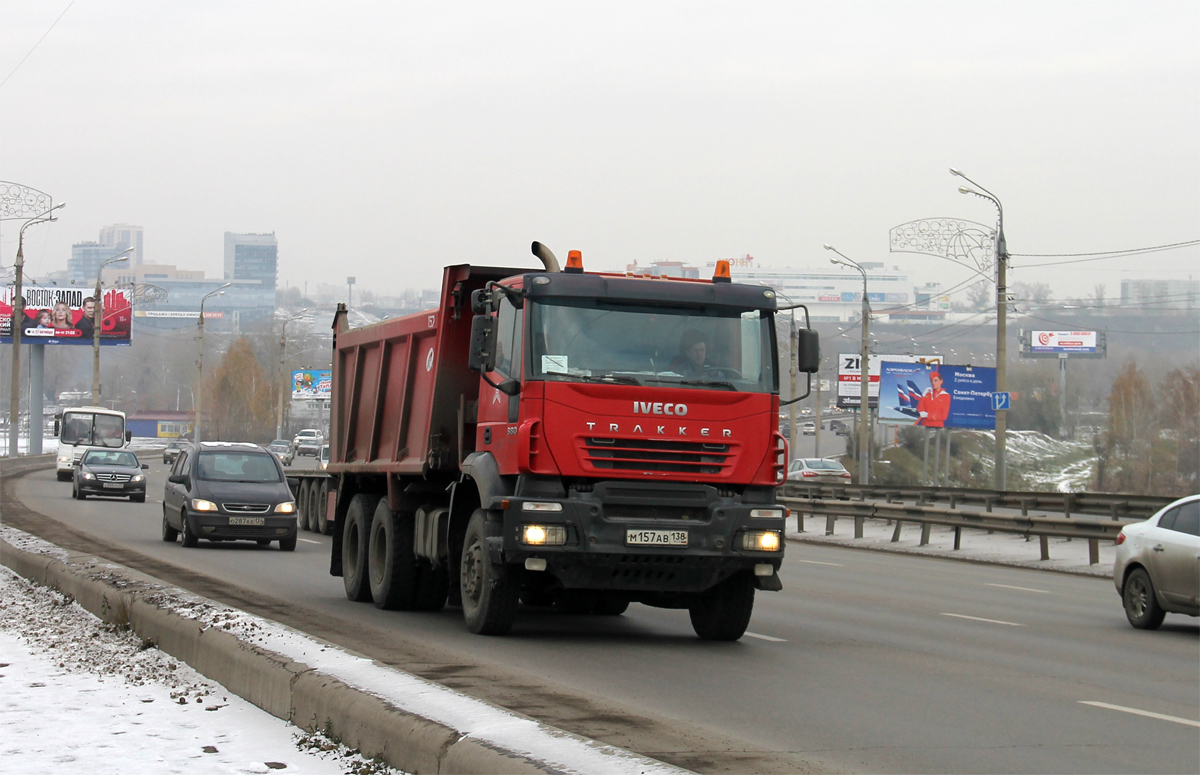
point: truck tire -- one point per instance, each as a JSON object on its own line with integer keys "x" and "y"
{"x": 489, "y": 594}
{"x": 354, "y": 546}
{"x": 391, "y": 566}
{"x": 324, "y": 526}
{"x": 302, "y": 493}
{"x": 723, "y": 612}
{"x": 610, "y": 605}
{"x": 433, "y": 587}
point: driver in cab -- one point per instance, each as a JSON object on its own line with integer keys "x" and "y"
{"x": 692, "y": 359}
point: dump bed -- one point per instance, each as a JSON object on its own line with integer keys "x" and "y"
{"x": 404, "y": 400}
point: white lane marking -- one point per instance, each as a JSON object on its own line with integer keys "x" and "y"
{"x": 765, "y": 637}
{"x": 1137, "y": 712}
{"x": 815, "y": 562}
{"x": 1022, "y": 589}
{"x": 308, "y": 541}
{"x": 989, "y": 621}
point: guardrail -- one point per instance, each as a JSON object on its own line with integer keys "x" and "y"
{"x": 1115, "y": 505}
{"x": 1093, "y": 531}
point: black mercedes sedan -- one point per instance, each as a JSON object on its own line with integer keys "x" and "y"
{"x": 112, "y": 472}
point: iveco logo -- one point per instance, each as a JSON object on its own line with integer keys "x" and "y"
{"x": 645, "y": 407}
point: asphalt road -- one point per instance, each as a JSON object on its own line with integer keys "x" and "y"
{"x": 866, "y": 662}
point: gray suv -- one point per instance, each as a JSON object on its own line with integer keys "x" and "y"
{"x": 228, "y": 491}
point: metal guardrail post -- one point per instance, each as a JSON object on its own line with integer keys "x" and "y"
{"x": 830, "y": 519}
{"x": 925, "y": 527}
{"x": 1045, "y": 545}
{"x": 896, "y": 532}
{"x": 858, "y": 526}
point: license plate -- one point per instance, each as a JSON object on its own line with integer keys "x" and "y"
{"x": 656, "y": 537}
{"x": 114, "y": 485}
{"x": 255, "y": 521}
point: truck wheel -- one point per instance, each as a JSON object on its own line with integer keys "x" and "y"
{"x": 391, "y": 564}
{"x": 610, "y": 605}
{"x": 489, "y": 594}
{"x": 302, "y": 505}
{"x": 169, "y": 534}
{"x": 189, "y": 538}
{"x": 433, "y": 587}
{"x": 324, "y": 526}
{"x": 1141, "y": 606}
{"x": 354, "y": 546}
{"x": 723, "y": 612}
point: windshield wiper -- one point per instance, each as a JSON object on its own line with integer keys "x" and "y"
{"x": 604, "y": 379}
{"x": 701, "y": 382}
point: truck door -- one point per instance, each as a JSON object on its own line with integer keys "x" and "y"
{"x": 498, "y": 412}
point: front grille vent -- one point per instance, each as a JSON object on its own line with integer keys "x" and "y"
{"x": 113, "y": 477}
{"x": 247, "y": 508}
{"x": 652, "y": 455}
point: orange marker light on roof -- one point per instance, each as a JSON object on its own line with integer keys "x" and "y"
{"x": 574, "y": 262}
{"x": 721, "y": 275}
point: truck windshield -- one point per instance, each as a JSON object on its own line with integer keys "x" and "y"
{"x": 717, "y": 348}
{"x": 97, "y": 430}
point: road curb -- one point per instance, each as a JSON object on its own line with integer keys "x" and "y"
{"x": 295, "y": 691}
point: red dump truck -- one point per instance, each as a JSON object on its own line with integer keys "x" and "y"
{"x": 550, "y": 438}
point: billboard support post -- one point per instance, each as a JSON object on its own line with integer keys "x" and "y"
{"x": 98, "y": 323}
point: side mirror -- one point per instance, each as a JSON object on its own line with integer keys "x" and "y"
{"x": 293, "y": 484}
{"x": 128, "y": 436}
{"x": 479, "y": 300}
{"x": 482, "y": 356}
{"x": 145, "y": 466}
{"x": 177, "y": 479}
{"x": 57, "y": 429}
{"x": 808, "y": 351}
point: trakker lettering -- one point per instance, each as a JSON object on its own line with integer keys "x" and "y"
{"x": 661, "y": 430}
{"x": 657, "y": 407}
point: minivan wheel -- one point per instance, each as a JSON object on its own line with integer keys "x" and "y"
{"x": 169, "y": 534}
{"x": 189, "y": 538}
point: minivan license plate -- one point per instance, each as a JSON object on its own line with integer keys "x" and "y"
{"x": 256, "y": 521}
{"x": 656, "y": 537}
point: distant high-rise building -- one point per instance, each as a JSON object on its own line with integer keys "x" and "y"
{"x": 252, "y": 257}
{"x": 86, "y": 257}
{"x": 120, "y": 236}
{"x": 1156, "y": 296}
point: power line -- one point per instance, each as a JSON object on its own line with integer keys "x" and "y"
{"x": 35, "y": 45}
{"x": 1099, "y": 255}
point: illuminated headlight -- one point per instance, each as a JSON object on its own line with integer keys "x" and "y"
{"x": 88, "y": 476}
{"x": 760, "y": 541}
{"x": 199, "y": 504}
{"x": 544, "y": 535}
{"x": 137, "y": 478}
{"x": 766, "y": 513}
{"x": 288, "y": 507}
{"x": 65, "y": 458}
{"x": 540, "y": 506}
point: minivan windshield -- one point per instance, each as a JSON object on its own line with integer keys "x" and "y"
{"x": 597, "y": 340}
{"x": 237, "y": 467}
{"x": 97, "y": 430}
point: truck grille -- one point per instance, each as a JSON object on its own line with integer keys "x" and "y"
{"x": 686, "y": 457}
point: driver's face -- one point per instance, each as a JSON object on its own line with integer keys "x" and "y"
{"x": 697, "y": 353}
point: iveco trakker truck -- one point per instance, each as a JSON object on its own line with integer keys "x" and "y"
{"x": 558, "y": 438}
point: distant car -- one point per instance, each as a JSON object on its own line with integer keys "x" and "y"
{"x": 308, "y": 441}
{"x": 282, "y": 449}
{"x": 228, "y": 491}
{"x": 809, "y": 429}
{"x": 817, "y": 470}
{"x": 172, "y": 451}
{"x": 839, "y": 427}
{"x": 111, "y": 472}
{"x": 1156, "y": 567}
{"x": 806, "y": 411}
{"x": 323, "y": 456}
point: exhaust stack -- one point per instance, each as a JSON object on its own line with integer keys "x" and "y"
{"x": 547, "y": 257}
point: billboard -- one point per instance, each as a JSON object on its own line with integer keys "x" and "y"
{"x": 63, "y": 315}
{"x": 312, "y": 383}
{"x": 937, "y": 396}
{"x": 849, "y": 387}
{"x": 1055, "y": 342}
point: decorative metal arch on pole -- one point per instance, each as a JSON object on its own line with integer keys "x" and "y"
{"x": 21, "y": 203}
{"x": 966, "y": 242}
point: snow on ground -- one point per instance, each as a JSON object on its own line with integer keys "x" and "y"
{"x": 78, "y": 695}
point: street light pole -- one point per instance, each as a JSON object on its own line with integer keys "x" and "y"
{"x": 283, "y": 374}
{"x": 864, "y": 374}
{"x": 1001, "y": 326}
{"x": 199, "y": 402}
{"x": 97, "y": 323}
{"x": 17, "y": 327}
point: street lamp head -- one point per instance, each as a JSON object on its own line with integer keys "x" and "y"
{"x": 965, "y": 190}
{"x": 828, "y": 246}
{"x": 956, "y": 171}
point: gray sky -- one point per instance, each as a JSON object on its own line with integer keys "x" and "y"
{"x": 385, "y": 139}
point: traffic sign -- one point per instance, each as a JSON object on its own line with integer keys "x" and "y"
{"x": 1001, "y": 401}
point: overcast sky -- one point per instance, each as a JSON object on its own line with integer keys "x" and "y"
{"x": 386, "y": 139}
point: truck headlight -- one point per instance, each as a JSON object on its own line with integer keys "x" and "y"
{"x": 761, "y": 541}
{"x": 287, "y": 507}
{"x": 544, "y": 535}
{"x": 199, "y": 504}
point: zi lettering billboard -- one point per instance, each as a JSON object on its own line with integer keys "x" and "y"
{"x": 849, "y": 385}
{"x": 937, "y": 396}
{"x": 56, "y": 315}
